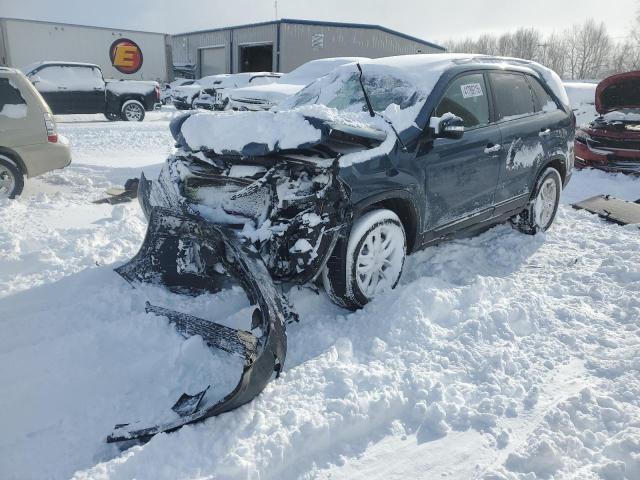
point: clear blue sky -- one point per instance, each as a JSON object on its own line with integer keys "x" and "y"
{"x": 428, "y": 19}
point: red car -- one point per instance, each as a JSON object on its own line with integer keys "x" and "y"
{"x": 612, "y": 141}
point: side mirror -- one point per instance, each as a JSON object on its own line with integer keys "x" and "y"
{"x": 448, "y": 126}
{"x": 34, "y": 79}
{"x": 452, "y": 128}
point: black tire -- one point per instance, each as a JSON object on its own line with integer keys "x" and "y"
{"x": 112, "y": 117}
{"x": 11, "y": 178}
{"x": 132, "y": 111}
{"x": 531, "y": 220}
{"x": 339, "y": 276}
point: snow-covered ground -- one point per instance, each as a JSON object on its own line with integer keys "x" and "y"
{"x": 503, "y": 356}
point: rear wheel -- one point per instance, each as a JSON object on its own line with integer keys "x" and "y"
{"x": 11, "y": 178}
{"x": 132, "y": 111}
{"x": 542, "y": 209}
{"x": 369, "y": 262}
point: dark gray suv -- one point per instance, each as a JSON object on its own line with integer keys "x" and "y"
{"x": 372, "y": 162}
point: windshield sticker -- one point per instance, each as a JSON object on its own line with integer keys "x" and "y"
{"x": 470, "y": 90}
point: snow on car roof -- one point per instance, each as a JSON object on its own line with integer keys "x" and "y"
{"x": 418, "y": 65}
{"x": 32, "y": 66}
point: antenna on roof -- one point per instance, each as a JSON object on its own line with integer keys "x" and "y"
{"x": 275, "y": 6}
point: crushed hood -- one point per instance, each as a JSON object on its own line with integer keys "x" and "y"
{"x": 262, "y": 133}
{"x": 618, "y": 92}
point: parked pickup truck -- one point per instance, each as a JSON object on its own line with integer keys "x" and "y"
{"x": 70, "y": 87}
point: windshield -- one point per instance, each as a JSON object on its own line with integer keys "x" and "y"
{"x": 309, "y": 71}
{"x": 342, "y": 91}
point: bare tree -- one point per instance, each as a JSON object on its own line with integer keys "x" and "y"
{"x": 589, "y": 47}
{"x": 526, "y": 43}
{"x": 553, "y": 53}
{"x": 584, "y": 51}
{"x": 505, "y": 45}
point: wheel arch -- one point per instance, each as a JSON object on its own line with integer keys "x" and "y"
{"x": 125, "y": 98}
{"x": 402, "y": 204}
{"x": 558, "y": 162}
{"x": 13, "y": 156}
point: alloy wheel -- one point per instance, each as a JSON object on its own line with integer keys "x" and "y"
{"x": 380, "y": 259}
{"x": 7, "y": 182}
{"x": 545, "y": 204}
{"x": 133, "y": 112}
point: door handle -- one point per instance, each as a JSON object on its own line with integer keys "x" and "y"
{"x": 492, "y": 148}
{"x": 545, "y": 132}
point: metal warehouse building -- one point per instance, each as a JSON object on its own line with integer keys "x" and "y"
{"x": 283, "y": 45}
{"x": 23, "y": 42}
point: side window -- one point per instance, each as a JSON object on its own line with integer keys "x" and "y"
{"x": 11, "y": 102}
{"x": 513, "y": 96}
{"x": 48, "y": 79}
{"x": 545, "y": 102}
{"x": 466, "y": 97}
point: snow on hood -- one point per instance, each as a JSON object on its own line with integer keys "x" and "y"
{"x": 237, "y": 132}
{"x": 623, "y": 115}
{"x": 618, "y": 92}
{"x": 260, "y": 133}
{"x": 273, "y": 92}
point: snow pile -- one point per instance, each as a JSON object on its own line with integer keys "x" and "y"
{"x": 233, "y": 131}
{"x": 582, "y": 96}
{"x": 581, "y": 93}
{"x": 14, "y": 111}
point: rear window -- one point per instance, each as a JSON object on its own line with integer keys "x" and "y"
{"x": 513, "y": 96}
{"x": 466, "y": 97}
{"x": 545, "y": 102}
{"x": 11, "y": 102}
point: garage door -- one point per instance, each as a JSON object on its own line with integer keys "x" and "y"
{"x": 213, "y": 61}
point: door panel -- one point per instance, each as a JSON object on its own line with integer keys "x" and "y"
{"x": 523, "y": 127}
{"x": 461, "y": 175}
{"x": 51, "y": 83}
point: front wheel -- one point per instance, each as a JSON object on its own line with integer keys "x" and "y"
{"x": 369, "y": 262}
{"x": 11, "y": 179}
{"x": 132, "y": 111}
{"x": 542, "y": 209}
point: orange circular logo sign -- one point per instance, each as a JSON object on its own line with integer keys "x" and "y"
{"x": 126, "y": 56}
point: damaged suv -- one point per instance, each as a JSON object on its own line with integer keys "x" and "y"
{"x": 371, "y": 162}
{"x": 611, "y": 142}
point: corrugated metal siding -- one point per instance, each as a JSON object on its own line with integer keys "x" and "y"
{"x": 296, "y": 44}
{"x": 185, "y": 47}
{"x": 255, "y": 35}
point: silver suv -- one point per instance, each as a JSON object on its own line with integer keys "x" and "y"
{"x": 29, "y": 142}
